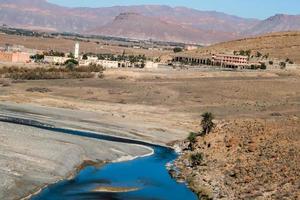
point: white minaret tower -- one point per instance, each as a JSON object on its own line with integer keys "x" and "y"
{"x": 76, "y": 53}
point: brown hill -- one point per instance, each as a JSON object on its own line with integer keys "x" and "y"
{"x": 134, "y": 25}
{"x": 279, "y": 45}
{"x": 276, "y": 23}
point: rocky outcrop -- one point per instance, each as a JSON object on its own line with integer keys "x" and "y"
{"x": 246, "y": 159}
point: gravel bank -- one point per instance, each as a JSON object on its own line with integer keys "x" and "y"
{"x": 31, "y": 158}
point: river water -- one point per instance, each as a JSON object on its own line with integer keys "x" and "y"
{"x": 144, "y": 178}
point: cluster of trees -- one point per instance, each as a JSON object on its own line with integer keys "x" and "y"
{"x": 54, "y": 53}
{"x": 112, "y": 57}
{"x": 248, "y": 53}
{"x": 207, "y": 125}
{"x": 243, "y": 53}
{"x": 38, "y": 57}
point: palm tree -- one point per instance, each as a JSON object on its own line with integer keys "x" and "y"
{"x": 192, "y": 139}
{"x": 207, "y": 122}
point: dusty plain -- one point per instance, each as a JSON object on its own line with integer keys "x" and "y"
{"x": 164, "y": 106}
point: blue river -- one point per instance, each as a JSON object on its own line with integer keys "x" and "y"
{"x": 148, "y": 175}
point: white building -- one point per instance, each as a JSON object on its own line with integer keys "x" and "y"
{"x": 151, "y": 65}
{"x": 103, "y": 63}
{"x": 55, "y": 59}
{"x": 108, "y": 63}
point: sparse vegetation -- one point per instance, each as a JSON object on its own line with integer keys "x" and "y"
{"x": 242, "y": 53}
{"x": 192, "y": 137}
{"x": 258, "y": 54}
{"x": 282, "y": 65}
{"x": 71, "y": 55}
{"x": 54, "y": 53}
{"x": 266, "y": 56}
{"x": 177, "y": 49}
{"x": 196, "y": 159}
{"x": 21, "y": 73}
{"x": 37, "y": 57}
{"x": 207, "y": 123}
{"x": 263, "y": 66}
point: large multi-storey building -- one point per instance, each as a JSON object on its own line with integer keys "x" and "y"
{"x": 219, "y": 60}
{"x": 229, "y": 60}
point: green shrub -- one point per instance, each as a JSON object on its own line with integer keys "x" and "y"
{"x": 73, "y": 61}
{"x": 263, "y": 66}
{"x": 177, "y": 49}
{"x": 192, "y": 137}
{"x": 258, "y": 54}
{"x": 196, "y": 159}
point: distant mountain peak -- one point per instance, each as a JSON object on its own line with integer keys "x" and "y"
{"x": 276, "y": 23}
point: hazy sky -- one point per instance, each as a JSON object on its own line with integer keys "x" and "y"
{"x": 245, "y": 8}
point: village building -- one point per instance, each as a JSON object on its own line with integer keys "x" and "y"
{"x": 230, "y": 61}
{"x": 108, "y": 63}
{"x": 151, "y": 65}
{"x": 191, "y": 47}
{"x": 14, "y": 57}
{"x": 194, "y": 60}
{"x": 217, "y": 60}
{"x": 55, "y": 59}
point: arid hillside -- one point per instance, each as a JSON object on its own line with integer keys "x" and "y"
{"x": 278, "y": 45}
{"x": 135, "y": 25}
{"x": 67, "y": 45}
{"x": 276, "y": 23}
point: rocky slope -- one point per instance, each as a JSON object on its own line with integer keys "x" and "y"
{"x": 277, "y": 23}
{"x": 134, "y": 25}
{"x": 246, "y": 159}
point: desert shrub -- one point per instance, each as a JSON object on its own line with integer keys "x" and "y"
{"x": 271, "y": 62}
{"x": 242, "y": 53}
{"x": 192, "y": 137}
{"x": 51, "y": 73}
{"x": 70, "y": 66}
{"x": 196, "y": 159}
{"x": 73, "y": 61}
{"x": 263, "y": 66}
{"x": 37, "y": 57}
{"x": 282, "y": 65}
{"x": 258, "y": 54}
{"x": 177, "y": 49}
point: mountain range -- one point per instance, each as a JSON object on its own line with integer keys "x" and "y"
{"x": 155, "y": 22}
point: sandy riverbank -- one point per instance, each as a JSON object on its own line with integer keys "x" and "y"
{"x": 32, "y": 158}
